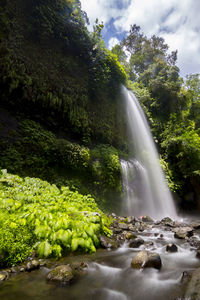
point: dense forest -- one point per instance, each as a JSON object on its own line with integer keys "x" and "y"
{"x": 62, "y": 126}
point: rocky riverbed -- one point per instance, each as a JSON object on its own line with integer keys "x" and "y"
{"x": 143, "y": 259}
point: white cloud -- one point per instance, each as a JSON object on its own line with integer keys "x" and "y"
{"x": 175, "y": 20}
{"x": 112, "y": 42}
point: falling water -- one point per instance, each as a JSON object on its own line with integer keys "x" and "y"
{"x": 144, "y": 183}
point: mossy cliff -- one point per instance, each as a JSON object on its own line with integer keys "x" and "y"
{"x": 59, "y": 97}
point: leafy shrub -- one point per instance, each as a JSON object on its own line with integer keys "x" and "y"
{"x": 57, "y": 220}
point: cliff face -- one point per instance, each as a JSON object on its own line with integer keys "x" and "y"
{"x": 53, "y": 70}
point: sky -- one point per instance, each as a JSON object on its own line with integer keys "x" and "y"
{"x": 177, "y": 21}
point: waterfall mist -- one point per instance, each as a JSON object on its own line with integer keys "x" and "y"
{"x": 146, "y": 192}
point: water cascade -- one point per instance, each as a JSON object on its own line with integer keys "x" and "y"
{"x": 146, "y": 192}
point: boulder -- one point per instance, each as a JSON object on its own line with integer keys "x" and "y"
{"x": 193, "y": 287}
{"x": 130, "y": 236}
{"x": 167, "y": 222}
{"x": 32, "y": 265}
{"x": 136, "y": 243}
{"x": 131, "y": 227}
{"x": 123, "y": 226}
{"x": 183, "y": 232}
{"x": 65, "y": 274}
{"x": 171, "y": 248}
{"x": 130, "y": 219}
{"x": 195, "y": 225}
{"x": 62, "y": 274}
{"x": 146, "y": 259}
{"x": 147, "y": 219}
{"x": 107, "y": 242}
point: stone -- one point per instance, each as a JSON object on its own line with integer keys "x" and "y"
{"x": 123, "y": 226}
{"x": 107, "y": 242}
{"x": 146, "y": 259}
{"x": 130, "y": 219}
{"x": 132, "y": 228}
{"x": 198, "y": 253}
{"x": 22, "y": 269}
{"x": 167, "y": 222}
{"x": 136, "y": 243}
{"x": 130, "y": 235}
{"x": 32, "y": 265}
{"x": 147, "y": 219}
{"x": 195, "y": 225}
{"x": 3, "y": 276}
{"x": 62, "y": 274}
{"x": 171, "y": 248}
{"x": 183, "y": 232}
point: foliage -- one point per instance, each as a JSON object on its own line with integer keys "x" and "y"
{"x": 42, "y": 216}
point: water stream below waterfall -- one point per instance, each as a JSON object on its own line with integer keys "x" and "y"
{"x": 110, "y": 276}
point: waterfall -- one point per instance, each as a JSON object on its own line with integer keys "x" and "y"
{"x": 146, "y": 192}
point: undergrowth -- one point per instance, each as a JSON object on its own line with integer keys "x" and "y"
{"x": 37, "y": 215}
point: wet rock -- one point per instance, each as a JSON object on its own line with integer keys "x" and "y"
{"x": 130, "y": 236}
{"x": 146, "y": 259}
{"x": 171, "y": 248}
{"x": 115, "y": 224}
{"x": 116, "y": 230}
{"x": 195, "y": 225}
{"x": 198, "y": 253}
{"x": 167, "y": 222}
{"x": 62, "y": 274}
{"x": 113, "y": 215}
{"x": 42, "y": 262}
{"x": 132, "y": 228}
{"x": 193, "y": 287}
{"x": 22, "y": 269}
{"x": 123, "y": 226}
{"x": 136, "y": 243}
{"x": 130, "y": 219}
{"x": 183, "y": 232}
{"x": 3, "y": 276}
{"x": 194, "y": 242}
{"x": 107, "y": 242}
{"x": 32, "y": 265}
{"x": 65, "y": 274}
{"x": 147, "y": 219}
{"x": 186, "y": 276}
{"x": 13, "y": 270}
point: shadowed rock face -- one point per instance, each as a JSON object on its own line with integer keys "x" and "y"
{"x": 193, "y": 286}
{"x": 146, "y": 259}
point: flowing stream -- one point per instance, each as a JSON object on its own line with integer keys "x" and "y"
{"x": 110, "y": 276}
{"x": 146, "y": 192}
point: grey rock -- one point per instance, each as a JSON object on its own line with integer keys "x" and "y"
{"x": 107, "y": 242}
{"x": 130, "y": 219}
{"x": 183, "y": 232}
{"x": 123, "y": 226}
